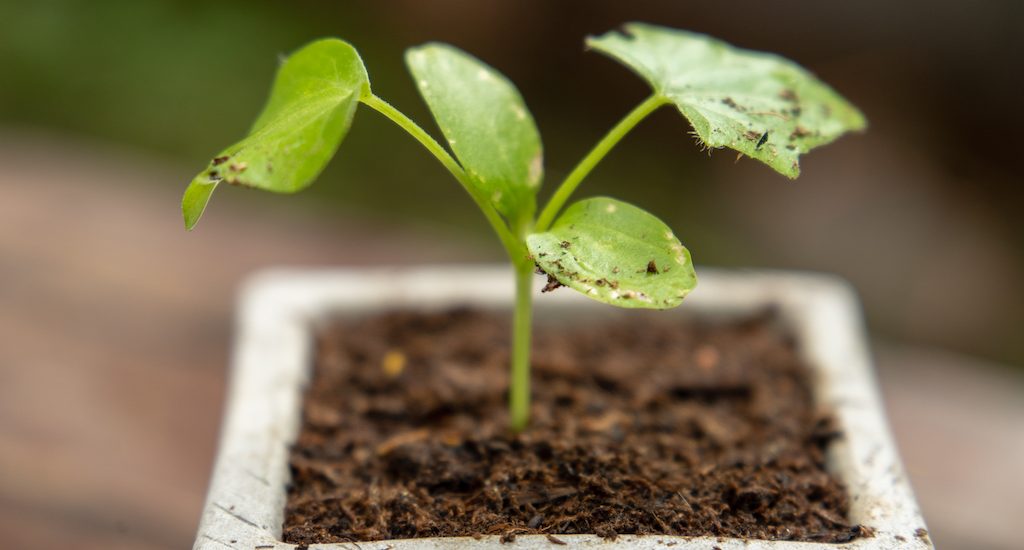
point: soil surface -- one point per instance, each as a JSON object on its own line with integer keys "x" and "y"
{"x": 664, "y": 426}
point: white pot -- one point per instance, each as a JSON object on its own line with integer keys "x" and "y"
{"x": 273, "y": 357}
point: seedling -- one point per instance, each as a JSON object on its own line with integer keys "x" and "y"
{"x": 758, "y": 104}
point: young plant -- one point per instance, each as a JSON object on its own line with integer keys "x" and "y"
{"x": 758, "y": 104}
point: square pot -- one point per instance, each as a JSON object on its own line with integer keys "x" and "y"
{"x": 273, "y": 359}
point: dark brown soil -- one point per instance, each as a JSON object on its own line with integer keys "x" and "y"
{"x": 649, "y": 427}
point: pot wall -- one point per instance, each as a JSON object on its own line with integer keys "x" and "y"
{"x": 272, "y": 362}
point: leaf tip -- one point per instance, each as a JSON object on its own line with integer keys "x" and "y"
{"x": 189, "y": 217}
{"x": 860, "y": 122}
{"x": 631, "y": 28}
{"x": 418, "y": 54}
{"x": 194, "y": 202}
{"x": 793, "y": 172}
{"x": 625, "y": 31}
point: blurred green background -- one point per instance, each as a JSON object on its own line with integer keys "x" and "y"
{"x": 921, "y": 213}
{"x": 115, "y": 324}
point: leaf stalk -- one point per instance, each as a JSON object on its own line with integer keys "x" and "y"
{"x": 585, "y": 166}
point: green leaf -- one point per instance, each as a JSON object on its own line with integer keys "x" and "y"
{"x": 486, "y": 123}
{"x": 759, "y": 104}
{"x": 615, "y": 253}
{"x": 310, "y": 110}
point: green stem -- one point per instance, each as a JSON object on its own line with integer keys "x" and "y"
{"x": 595, "y": 155}
{"x": 519, "y": 390}
{"x": 519, "y": 384}
{"x": 513, "y": 246}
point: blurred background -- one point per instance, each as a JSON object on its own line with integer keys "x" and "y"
{"x": 115, "y": 324}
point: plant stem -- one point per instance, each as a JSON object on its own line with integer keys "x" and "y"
{"x": 595, "y": 155}
{"x": 513, "y": 246}
{"x": 519, "y": 383}
{"x": 519, "y": 388}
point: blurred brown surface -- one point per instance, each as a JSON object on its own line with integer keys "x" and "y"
{"x": 114, "y": 335}
{"x": 959, "y": 424}
{"x": 115, "y": 326}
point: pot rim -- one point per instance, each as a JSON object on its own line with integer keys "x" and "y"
{"x": 273, "y": 352}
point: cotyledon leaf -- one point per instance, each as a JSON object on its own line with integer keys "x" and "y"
{"x": 312, "y": 102}
{"x": 615, "y": 253}
{"x": 486, "y": 123}
{"x": 759, "y": 104}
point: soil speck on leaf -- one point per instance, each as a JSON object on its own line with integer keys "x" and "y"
{"x": 220, "y": 160}
{"x": 552, "y": 284}
{"x": 799, "y": 132}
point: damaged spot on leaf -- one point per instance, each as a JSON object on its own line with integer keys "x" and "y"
{"x": 552, "y": 284}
